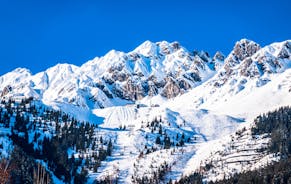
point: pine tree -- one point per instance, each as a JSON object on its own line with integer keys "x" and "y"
{"x": 167, "y": 142}
{"x": 109, "y": 148}
{"x": 158, "y": 140}
{"x": 160, "y": 130}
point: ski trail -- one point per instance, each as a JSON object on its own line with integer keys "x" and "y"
{"x": 178, "y": 166}
{"x": 119, "y": 164}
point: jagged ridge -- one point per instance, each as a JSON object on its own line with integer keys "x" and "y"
{"x": 161, "y": 68}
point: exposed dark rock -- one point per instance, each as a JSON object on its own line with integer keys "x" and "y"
{"x": 242, "y": 49}
{"x": 119, "y": 76}
{"x": 152, "y": 89}
{"x": 133, "y": 90}
{"x": 218, "y": 56}
{"x": 176, "y": 46}
{"x": 6, "y": 90}
{"x": 247, "y": 69}
{"x": 192, "y": 76}
{"x": 171, "y": 89}
{"x": 285, "y": 52}
{"x": 204, "y": 56}
{"x": 183, "y": 84}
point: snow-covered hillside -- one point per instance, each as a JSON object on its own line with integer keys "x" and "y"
{"x": 166, "y": 110}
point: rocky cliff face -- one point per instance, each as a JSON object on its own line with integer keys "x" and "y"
{"x": 270, "y": 59}
{"x": 249, "y": 62}
{"x": 155, "y": 68}
{"x": 6, "y": 90}
{"x": 242, "y": 49}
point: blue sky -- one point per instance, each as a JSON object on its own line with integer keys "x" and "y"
{"x": 37, "y": 34}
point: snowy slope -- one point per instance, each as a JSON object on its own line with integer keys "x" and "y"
{"x": 232, "y": 154}
{"x": 196, "y": 125}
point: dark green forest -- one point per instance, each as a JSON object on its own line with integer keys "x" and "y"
{"x": 40, "y": 134}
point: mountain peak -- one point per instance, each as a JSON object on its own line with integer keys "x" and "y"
{"x": 147, "y": 49}
{"x": 219, "y": 56}
{"x": 242, "y": 49}
{"x": 21, "y": 71}
{"x": 112, "y": 52}
{"x": 147, "y": 42}
{"x": 16, "y": 75}
{"x": 63, "y": 67}
{"x": 283, "y": 49}
{"x": 245, "y": 48}
{"x": 245, "y": 40}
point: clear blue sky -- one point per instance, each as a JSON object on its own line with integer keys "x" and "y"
{"x": 37, "y": 34}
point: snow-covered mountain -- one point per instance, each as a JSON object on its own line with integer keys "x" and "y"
{"x": 162, "y": 92}
{"x": 161, "y": 68}
{"x": 259, "y": 81}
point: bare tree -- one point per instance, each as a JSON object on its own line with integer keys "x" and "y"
{"x": 5, "y": 171}
{"x": 40, "y": 176}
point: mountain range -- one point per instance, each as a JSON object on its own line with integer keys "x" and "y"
{"x": 163, "y": 108}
